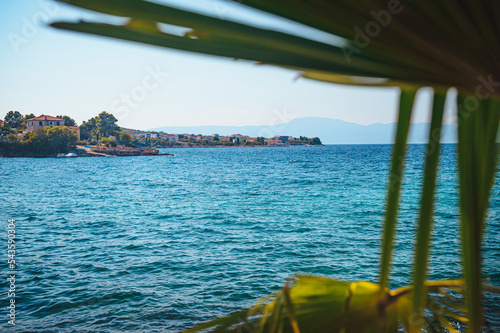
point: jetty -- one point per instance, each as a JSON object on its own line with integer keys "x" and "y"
{"x": 117, "y": 151}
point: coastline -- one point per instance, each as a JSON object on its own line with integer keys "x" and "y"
{"x": 109, "y": 154}
{"x": 241, "y": 146}
{"x": 91, "y": 156}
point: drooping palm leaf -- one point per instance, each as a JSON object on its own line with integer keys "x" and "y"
{"x": 319, "y": 304}
{"x": 427, "y": 202}
{"x": 477, "y": 163}
{"x": 412, "y": 48}
{"x": 395, "y": 180}
{"x": 442, "y": 44}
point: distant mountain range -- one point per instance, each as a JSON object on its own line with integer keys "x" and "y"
{"x": 330, "y": 131}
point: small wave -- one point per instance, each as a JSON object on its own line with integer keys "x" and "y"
{"x": 167, "y": 216}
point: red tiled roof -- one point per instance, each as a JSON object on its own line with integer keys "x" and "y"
{"x": 43, "y": 117}
{"x": 73, "y": 127}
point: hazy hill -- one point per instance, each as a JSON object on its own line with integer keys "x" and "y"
{"x": 330, "y": 131}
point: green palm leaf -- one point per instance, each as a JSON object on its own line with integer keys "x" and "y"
{"x": 420, "y": 43}
{"x": 409, "y": 44}
{"x": 319, "y": 304}
{"x": 477, "y": 163}
{"x": 427, "y": 203}
{"x": 395, "y": 179}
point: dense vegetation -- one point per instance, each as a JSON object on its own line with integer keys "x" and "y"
{"x": 48, "y": 141}
{"x": 103, "y": 129}
{"x": 42, "y": 142}
{"x": 99, "y": 127}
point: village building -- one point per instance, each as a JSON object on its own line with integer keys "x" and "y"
{"x": 77, "y": 130}
{"x": 135, "y": 135}
{"x": 43, "y": 121}
{"x": 173, "y": 137}
{"x": 282, "y": 138}
{"x": 170, "y": 137}
{"x": 274, "y": 142}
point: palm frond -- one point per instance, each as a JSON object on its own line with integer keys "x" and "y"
{"x": 395, "y": 179}
{"x": 409, "y": 44}
{"x": 421, "y": 42}
{"x": 319, "y": 304}
{"x": 477, "y": 164}
{"x": 427, "y": 202}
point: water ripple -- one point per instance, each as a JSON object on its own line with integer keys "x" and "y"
{"x": 150, "y": 244}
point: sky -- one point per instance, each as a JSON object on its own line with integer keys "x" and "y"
{"x": 54, "y": 72}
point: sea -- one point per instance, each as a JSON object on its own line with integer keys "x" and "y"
{"x": 161, "y": 243}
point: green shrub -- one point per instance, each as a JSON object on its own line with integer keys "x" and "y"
{"x": 109, "y": 142}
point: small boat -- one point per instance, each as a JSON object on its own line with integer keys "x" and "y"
{"x": 66, "y": 155}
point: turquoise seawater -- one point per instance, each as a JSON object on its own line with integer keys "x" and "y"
{"x": 161, "y": 243}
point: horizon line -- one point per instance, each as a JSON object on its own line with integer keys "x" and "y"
{"x": 349, "y": 122}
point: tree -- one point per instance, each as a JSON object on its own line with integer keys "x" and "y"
{"x": 13, "y": 119}
{"x": 12, "y": 138}
{"x": 316, "y": 141}
{"x": 260, "y": 140}
{"x": 29, "y": 116}
{"x": 125, "y": 137}
{"x": 90, "y": 129}
{"x": 27, "y": 136}
{"x": 68, "y": 121}
{"x": 109, "y": 142}
{"x": 26, "y": 117}
{"x": 106, "y": 123}
{"x": 49, "y": 140}
{"x": 37, "y": 142}
{"x": 59, "y": 138}
{"x": 98, "y": 127}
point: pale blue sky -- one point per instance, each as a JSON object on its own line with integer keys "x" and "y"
{"x": 48, "y": 71}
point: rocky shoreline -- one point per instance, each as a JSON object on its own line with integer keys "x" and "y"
{"x": 91, "y": 151}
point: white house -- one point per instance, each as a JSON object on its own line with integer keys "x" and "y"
{"x": 172, "y": 137}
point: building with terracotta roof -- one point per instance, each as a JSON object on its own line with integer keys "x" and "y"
{"x": 43, "y": 121}
{"x": 273, "y": 142}
{"x": 173, "y": 137}
{"x": 77, "y": 130}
